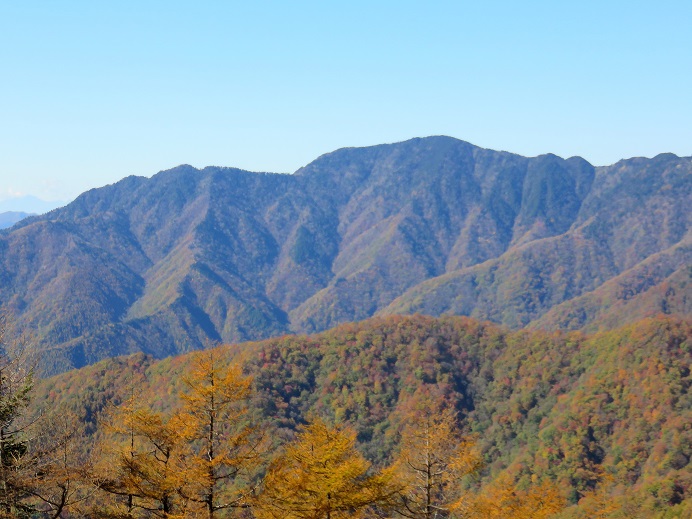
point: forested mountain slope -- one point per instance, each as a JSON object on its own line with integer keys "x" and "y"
{"x": 434, "y": 225}
{"x": 609, "y": 411}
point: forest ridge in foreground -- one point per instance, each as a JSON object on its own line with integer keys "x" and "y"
{"x": 332, "y": 425}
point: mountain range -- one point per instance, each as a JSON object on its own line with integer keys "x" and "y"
{"x": 9, "y": 218}
{"x": 189, "y": 257}
{"x": 29, "y": 204}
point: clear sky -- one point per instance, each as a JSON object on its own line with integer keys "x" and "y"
{"x": 95, "y": 91}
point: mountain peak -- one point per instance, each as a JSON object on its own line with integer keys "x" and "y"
{"x": 432, "y": 225}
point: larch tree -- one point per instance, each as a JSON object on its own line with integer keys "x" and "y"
{"x": 144, "y": 466}
{"x": 321, "y": 475}
{"x": 226, "y": 449}
{"x": 432, "y": 461}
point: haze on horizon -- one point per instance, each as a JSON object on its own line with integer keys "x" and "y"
{"x": 93, "y": 93}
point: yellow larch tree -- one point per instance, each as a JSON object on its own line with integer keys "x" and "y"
{"x": 321, "y": 475}
{"x": 145, "y": 466}
{"x": 432, "y": 461}
{"x": 226, "y": 449}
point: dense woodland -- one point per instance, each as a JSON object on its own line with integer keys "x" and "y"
{"x": 392, "y": 417}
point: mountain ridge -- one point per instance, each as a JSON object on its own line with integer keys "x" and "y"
{"x": 191, "y": 256}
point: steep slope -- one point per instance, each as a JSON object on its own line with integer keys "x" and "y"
{"x": 556, "y": 405}
{"x": 652, "y": 287}
{"x": 434, "y": 225}
{"x": 635, "y": 209}
{"x": 182, "y": 278}
{"x": 428, "y": 206}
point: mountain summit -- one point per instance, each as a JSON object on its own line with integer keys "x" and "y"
{"x": 432, "y": 225}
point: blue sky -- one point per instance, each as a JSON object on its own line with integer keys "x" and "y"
{"x": 95, "y": 91}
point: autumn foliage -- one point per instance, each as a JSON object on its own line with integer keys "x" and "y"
{"x": 595, "y": 425}
{"x": 432, "y": 463}
{"x": 321, "y": 475}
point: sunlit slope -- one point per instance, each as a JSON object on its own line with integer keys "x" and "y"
{"x": 435, "y": 225}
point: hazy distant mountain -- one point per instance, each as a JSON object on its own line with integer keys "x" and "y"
{"x": 29, "y": 204}
{"x": 9, "y": 218}
{"x": 432, "y": 225}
